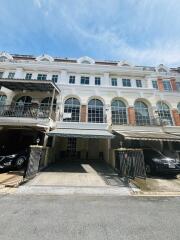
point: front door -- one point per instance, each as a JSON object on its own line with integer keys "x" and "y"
{"x": 93, "y": 149}
{"x": 71, "y": 148}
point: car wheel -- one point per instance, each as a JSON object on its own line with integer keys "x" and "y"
{"x": 148, "y": 169}
{"x": 19, "y": 162}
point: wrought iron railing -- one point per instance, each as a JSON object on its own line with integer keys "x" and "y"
{"x": 26, "y": 111}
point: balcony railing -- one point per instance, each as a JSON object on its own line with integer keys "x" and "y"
{"x": 26, "y": 111}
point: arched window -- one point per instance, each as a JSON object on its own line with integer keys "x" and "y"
{"x": 47, "y": 101}
{"x": 164, "y": 113}
{"x": 141, "y": 113}
{"x": 3, "y": 99}
{"x": 25, "y": 100}
{"x": 118, "y": 112}
{"x": 71, "y": 110}
{"x": 178, "y": 108}
{"x": 95, "y": 111}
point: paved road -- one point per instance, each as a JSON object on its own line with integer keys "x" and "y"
{"x": 88, "y": 217}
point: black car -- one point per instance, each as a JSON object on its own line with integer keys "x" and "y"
{"x": 13, "y": 159}
{"x": 156, "y": 162}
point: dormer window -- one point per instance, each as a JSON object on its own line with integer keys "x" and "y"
{"x": 45, "y": 58}
{"x": 86, "y": 60}
{"x": 162, "y": 70}
{"x": 3, "y": 59}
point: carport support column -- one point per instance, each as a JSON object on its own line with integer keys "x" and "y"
{"x": 52, "y": 101}
{"x": 131, "y": 115}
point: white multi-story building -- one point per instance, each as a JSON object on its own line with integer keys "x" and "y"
{"x": 83, "y": 108}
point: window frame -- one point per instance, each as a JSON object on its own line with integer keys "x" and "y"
{"x": 54, "y": 78}
{"x": 28, "y": 74}
{"x": 72, "y": 79}
{"x": 119, "y": 114}
{"x": 139, "y": 83}
{"x": 97, "y": 81}
{"x": 1, "y": 74}
{"x": 155, "y": 84}
{"x": 126, "y": 82}
{"x": 11, "y": 75}
{"x": 41, "y": 76}
{"x": 114, "y": 82}
{"x": 85, "y": 80}
{"x": 167, "y": 86}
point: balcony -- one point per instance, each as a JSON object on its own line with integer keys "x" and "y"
{"x": 25, "y": 111}
{"x": 27, "y": 115}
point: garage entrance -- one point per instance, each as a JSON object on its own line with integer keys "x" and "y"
{"x": 80, "y": 149}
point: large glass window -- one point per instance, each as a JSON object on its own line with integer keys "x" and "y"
{"x": 1, "y": 74}
{"x": 97, "y": 81}
{"x": 3, "y": 99}
{"x": 71, "y": 145}
{"x": 47, "y": 101}
{"x": 28, "y": 76}
{"x": 138, "y": 83}
{"x": 11, "y": 75}
{"x": 164, "y": 113}
{"x": 118, "y": 112}
{"x": 71, "y": 110}
{"x": 54, "y": 78}
{"x": 178, "y": 86}
{"x": 126, "y": 82}
{"x": 167, "y": 86}
{"x": 84, "y": 80}
{"x": 141, "y": 113}
{"x": 72, "y": 79}
{"x": 41, "y": 76}
{"x": 25, "y": 100}
{"x": 95, "y": 111}
{"x": 114, "y": 81}
{"x": 154, "y": 84}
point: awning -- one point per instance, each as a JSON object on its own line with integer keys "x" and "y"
{"x": 149, "y": 136}
{"x": 81, "y": 133}
{"x": 31, "y": 85}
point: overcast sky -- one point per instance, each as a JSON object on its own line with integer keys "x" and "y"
{"x": 140, "y": 31}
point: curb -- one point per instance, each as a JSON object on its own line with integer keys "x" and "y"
{"x": 156, "y": 194}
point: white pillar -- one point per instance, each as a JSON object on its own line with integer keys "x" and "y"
{"x": 64, "y": 77}
{"x": 106, "y": 79}
{"x": 19, "y": 73}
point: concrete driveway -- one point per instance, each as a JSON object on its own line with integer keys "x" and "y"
{"x": 77, "y": 174}
{"x": 159, "y": 184}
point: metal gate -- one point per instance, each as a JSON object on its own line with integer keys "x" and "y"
{"x": 34, "y": 161}
{"x": 130, "y": 163}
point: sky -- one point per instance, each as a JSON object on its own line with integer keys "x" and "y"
{"x": 142, "y": 32}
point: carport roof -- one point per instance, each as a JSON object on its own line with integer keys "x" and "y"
{"x": 31, "y": 85}
{"x": 149, "y": 136}
{"x": 81, "y": 133}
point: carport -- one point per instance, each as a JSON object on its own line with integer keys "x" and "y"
{"x": 81, "y": 141}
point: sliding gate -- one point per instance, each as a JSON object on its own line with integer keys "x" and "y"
{"x": 130, "y": 163}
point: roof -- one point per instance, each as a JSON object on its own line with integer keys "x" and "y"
{"x": 81, "y": 133}
{"x": 149, "y": 136}
{"x": 31, "y": 85}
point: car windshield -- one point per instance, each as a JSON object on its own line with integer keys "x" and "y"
{"x": 158, "y": 154}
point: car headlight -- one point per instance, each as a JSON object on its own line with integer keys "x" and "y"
{"x": 7, "y": 163}
{"x": 157, "y": 160}
{"x": 12, "y": 156}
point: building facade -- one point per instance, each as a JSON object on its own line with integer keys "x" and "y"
{"x": 83, "y": 108}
